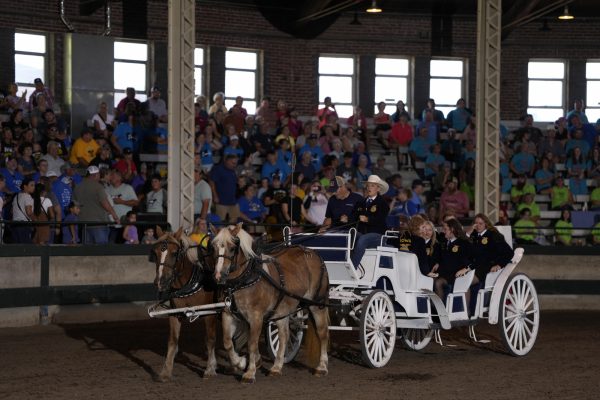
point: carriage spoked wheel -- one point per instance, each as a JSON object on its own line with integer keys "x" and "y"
{"x": 377, "y": 329}
{"x": 416, "y": 339}
{"x": 519, "y": 315}
{"x": 297, "y": 325}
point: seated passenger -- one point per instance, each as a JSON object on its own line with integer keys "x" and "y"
{"x": 409, "y": 240}
{"x": 490, "y": 250}
{"x": 432, "y": 246}
{"x": 455, "y": 256}
{"x": 371, "y": 213}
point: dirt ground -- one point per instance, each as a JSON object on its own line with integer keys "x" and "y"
{"x": 120, "y": 361}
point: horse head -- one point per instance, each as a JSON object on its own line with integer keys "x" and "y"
{"x": 168, "y": 253}
{"x": 232, "y": 246}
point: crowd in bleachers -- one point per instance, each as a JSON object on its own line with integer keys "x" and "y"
{"x": 275, "y": 167}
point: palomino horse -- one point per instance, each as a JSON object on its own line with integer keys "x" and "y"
{"x": 270, "y": 287}
{"x": 182, "y": 281}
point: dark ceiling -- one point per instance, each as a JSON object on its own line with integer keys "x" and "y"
{"x": 309, "y": 18}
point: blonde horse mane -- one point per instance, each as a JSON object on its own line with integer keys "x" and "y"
{"x": 226, "y": 235}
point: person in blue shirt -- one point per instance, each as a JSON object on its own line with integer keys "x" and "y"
{"x": 544, "y": 177}
{"x": 274, "y": 166}
{"x": 125, "y": 136}
{"x": 419, "y": 147}
{"x": 523, "y": 161}
{"x": 234, "y": 147}
{"x": 283, "y": 153}
{"x": 203, "y": 149}
{"x": 578, "y": 140}
{"x": 577, "y": 111}
{"x": 62, "y": 189}
{"x": 12, "y": 176}
{"x": 70, "y": 232}
{"x": 315, "y": 150}
{"x": 459, "y": 117}
{"x": 576, "y": 166}
{"x": 361, "y": 150}
{"x": 224, "y": 187}
{"x": 433, "y": 161}
{"x": 432, "y": 127}
{"x": 251, "y": 208}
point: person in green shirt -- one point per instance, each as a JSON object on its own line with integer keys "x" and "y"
{"x": 564, "y": 229}
{"x": 561, "y": 195}
{"x": 528, "y": 202}
{"x": 525, "y": 228}
{"x": 520, "y": 188}
{"x": 595, "y": 197}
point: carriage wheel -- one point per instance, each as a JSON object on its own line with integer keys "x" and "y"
{"x": 519, "y": 315}
{"x": 416, "y": 339}
{"x": 297, "y": 324}
{"x": 377, "y": 329}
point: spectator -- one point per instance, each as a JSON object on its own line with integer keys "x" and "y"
{"x": 417, "y": 191}
{"x": 528, "y": 201}
{"x": 67, "y": 170}
{"x": 543, "y": 177}
{"x": 431, "y": 126}
{"x": 261, "y": 140}
{"x": 84, "y": 149}
{"x": 42, "y": 171}
{"x": 535, "y": 134}
{"x": 8, "y": 146}
{"x": 202, "y": 195}
{"x": 383, "y": 125}
{"x": 284, "y": 155}
{"x": 252, "y": 209}
{"x": 362, "y": 172}
{"x": 126, "y": 166}
{"x": 17, "y": 124}
{"x": 224, "y": 185}
{"x": 437, "y": 115}
{"x": 43, "y": 90}
{"x": 460, "y": 117}
{"x": 104, "y": 158}
{"x": 434, "y": 161}
{"x": 380, "y": 170}
{"x": 12, "y": 176}
{"x": 347, "y": 170}
{"x": 70, "y": 231}
{"x": 129, "y": 98}
{"x": 350, "y": 139}
{"x": 156, "y": 198}
{"x": 419, "y": 147}
{"x": 470, "y": 132}
{"x": 594, "y": 163}
{"x": 273, "y": 198}
{"x": 130, "y": 233}
{"x": 401, "y": 205}
{"x": 104, "y": 123}
{"x": 576, "y": 166}
{"x": 560, "y": 195}
{"x": 454, "y": 200}
{"x": 55, "y": 162}
{"x": 291, "y": 208}
{"x": 522, "y": 162}
{"x": 55, "y": 128}
{"x": 63, "y": 190}
{"x": 525, "y": 228}
{"x": 357, "y": 121}
{"x": 42, "y": 212}
{"x": 327, "y": 110}
{"x": 520, "y": 189}
{"x": 268, "y": 117}
{"x": 564, "y": 229}
{"x": 315, "y": 151}
{"x": 400, "y": 112}
{"x": 577, "y": 141}
{"x": 125, "y": 136}
{"x": 95, "y": 206}
{"x": 199, "y": 234}
{"x": 588, "y": 133}
{"x": 22, "y": 211}
{"x": 218, "y": 104}
{"x": 157, "y": 106}
{"x": 234, "y": 147}
{"x": 315, "y": 205}
{"x": 578, "y": 112}
{"x": 306, "y": 166}
{"x": 149, "y": 238}
{"x": 26, "y": 162}
{"x": 550, "y": 144}
{"x": 402, "y": 133}
{"x": 124, "y": 199}
{"x": 16, "y": 102}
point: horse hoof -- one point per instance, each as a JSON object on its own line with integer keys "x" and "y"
{"x": 320, "y": 372}
{"x": 209, "y": 374}
{"x": 247, "y": 381}
{"x": 163, "y": 378}
{"x": 275, "y": 373}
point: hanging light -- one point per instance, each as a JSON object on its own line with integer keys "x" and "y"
{"x": 374, "y": 8}
{"x": 565, "y": 16}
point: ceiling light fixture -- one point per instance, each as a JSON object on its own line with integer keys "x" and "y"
{"x": 565, "y": 16}
{"x": 374, "y": 8}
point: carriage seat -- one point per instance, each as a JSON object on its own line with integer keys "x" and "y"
{"x": 410, "y": 278}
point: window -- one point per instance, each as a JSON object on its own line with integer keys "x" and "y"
{"x": 592, "y": 101}
{"x": 130, "y": 69}
{"x": 545, "y": 100}
{"x": 30, "y": 60}
{"x": 337, "y": 80}
{"x": 198, "y": 71}
{"x": 446, "y": 83}
{"x": 241, "y": 78}
{"x": 391, "y": 82}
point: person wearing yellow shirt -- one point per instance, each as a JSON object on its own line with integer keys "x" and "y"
{"x": 84, "y": 149}
{"x": 200, "y": 232}
{"x": 564, "y": 229}
{"x": 525, "y": 229}
{"x": 528, "y": 202}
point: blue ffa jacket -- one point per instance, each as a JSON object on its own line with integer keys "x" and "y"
{"x": 489, "y": 250}
{"x": 376, "y": 211}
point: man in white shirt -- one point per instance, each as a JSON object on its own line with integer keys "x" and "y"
{"x": 202, "y": 195}
{"x": 157, "y": 105}
{"x": 54, "y": 161}
{"x": 124, "y": 199}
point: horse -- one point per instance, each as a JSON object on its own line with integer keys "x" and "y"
{"x": 268, "y": 287}
{"x": 181, "y": 279}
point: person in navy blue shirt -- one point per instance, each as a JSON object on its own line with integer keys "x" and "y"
{"x": 251, "y": 208}
{"x": 12, "y": 176}
{"x": 234, "y": 147}
{"x": 315, "y": 150}
{"x": 274, "y": 166}
{"x": 224, "y": 187}
{"x": 340, "y": 206}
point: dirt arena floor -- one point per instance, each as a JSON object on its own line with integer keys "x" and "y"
{"x": 121, "y": 360}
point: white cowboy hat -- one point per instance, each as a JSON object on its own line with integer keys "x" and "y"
{"x": 383, "y": 185}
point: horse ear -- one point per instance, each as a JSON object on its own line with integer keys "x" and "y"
{"x": 213, "y": 229}
{"x": 159, "y": 231}
{"x": 178, "y": 233}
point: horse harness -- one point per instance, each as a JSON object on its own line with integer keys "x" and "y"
{"x": 253, "y": 273}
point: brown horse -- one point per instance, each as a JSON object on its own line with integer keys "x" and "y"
{"x": 179, "y": 278}
{"x": 270, "y": 287}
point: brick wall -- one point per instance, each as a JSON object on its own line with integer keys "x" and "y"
{"x": 290, "y": 70}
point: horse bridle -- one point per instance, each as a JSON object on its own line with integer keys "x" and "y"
{"x": 233, "y": 266}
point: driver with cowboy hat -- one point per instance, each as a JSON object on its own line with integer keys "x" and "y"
{"x": 371, "y": 213}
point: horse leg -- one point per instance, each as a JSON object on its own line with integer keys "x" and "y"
{"x": 229, "y": 327}
{"x": 321, "y": 317}
{"x": 174, "y": 330}
{"x": 283, "y": 327}
{"x": 255, "y": 322}
{"x": 210, "y": 327}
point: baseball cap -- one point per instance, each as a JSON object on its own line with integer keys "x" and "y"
{"x": 127, "y": 150}
{"x": 92, "y": 169}
{"x": 234, "y": 137}
{"x": 336, "y": 183}
{"x": 51, "y": 174}
{"x": 38, "y": 80}
{"x": 155, "y": 89}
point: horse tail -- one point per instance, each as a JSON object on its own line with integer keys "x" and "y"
{"x": 312, "y": 344}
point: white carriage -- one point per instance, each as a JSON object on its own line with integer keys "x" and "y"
{"x": 390, "y": 298}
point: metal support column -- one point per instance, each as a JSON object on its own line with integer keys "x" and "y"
{"x": 182, "y": 41}
{"x": 487, "y": 173}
